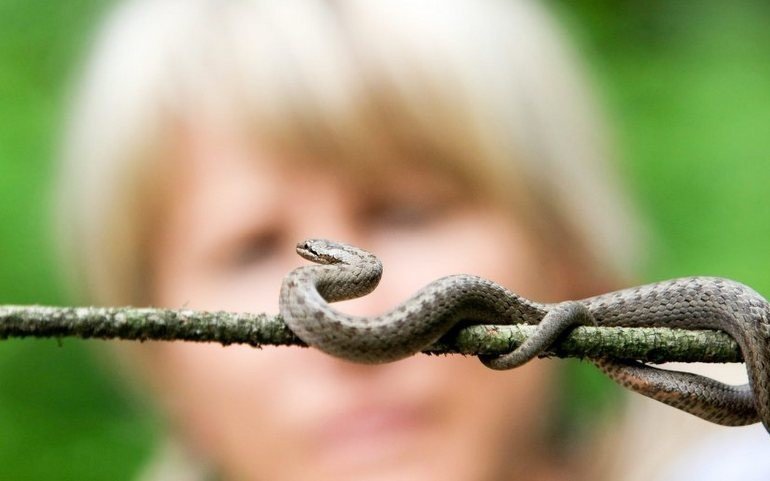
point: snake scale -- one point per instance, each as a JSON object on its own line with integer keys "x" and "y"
{"x": 343, "y": 272}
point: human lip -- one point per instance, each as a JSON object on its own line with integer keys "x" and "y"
{"x": 367, "y": 435}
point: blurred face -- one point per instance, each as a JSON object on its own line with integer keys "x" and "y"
{"x": 286, "y": 414}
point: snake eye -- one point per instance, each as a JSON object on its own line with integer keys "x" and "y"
{"x": 304, "y": 246}
{"x": 309, "y": 250}
{"x": 321, "y": 251}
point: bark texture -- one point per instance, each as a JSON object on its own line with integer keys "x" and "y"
{"x": 653, "y": 345}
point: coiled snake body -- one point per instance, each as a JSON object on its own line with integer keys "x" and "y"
{"x": 692, "y": 303}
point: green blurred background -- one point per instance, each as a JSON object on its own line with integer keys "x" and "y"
{"x": 686, "y": 84}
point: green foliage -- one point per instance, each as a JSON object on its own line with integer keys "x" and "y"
{"x": 686, "y": 82}
{"x": 60, "y": 416}
{"x": 687, "y": 86}
{"x": 63, "y": 418}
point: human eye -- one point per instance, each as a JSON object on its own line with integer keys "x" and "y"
{"x": 407, "y": 214}
{"x": 255, "y": 248}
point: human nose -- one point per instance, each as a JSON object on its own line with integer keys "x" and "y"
{"x": 323, "y": 209}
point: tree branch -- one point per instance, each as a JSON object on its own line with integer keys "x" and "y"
{"x": 645, "y": 344}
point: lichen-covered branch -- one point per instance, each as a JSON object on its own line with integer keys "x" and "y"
{"x": 645, "y": 344}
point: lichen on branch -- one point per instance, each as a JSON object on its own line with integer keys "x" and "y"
{"x": 141, "y": 324}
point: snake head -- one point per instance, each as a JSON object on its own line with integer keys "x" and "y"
{"x": 350, "y": 272}
{"x": 324, "y": 251}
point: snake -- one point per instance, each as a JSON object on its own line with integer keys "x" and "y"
{"x": 341, "y": 271}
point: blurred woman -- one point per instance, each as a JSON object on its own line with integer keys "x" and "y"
{"x": 210, "y": 136}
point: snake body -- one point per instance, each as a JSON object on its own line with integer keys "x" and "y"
{"x": 344, "y": 272}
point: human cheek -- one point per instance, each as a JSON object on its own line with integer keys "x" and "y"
{"x": 252, "y": 287}
{"x": 244, "y": 408}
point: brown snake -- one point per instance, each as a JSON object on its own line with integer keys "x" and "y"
{"x": 691, "y": 303}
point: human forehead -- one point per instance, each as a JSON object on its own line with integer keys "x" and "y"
{"x": 214, "y": 154}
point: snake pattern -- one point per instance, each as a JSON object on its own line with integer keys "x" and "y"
{"x": 344, "y": 272}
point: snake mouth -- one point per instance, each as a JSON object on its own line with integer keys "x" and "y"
{"x": 313, "y": 250}
{"x": 305, "y": 250}
{"x": 305, "y": 247}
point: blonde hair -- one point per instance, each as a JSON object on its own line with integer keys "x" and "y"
{"x": 485, "y": 87}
